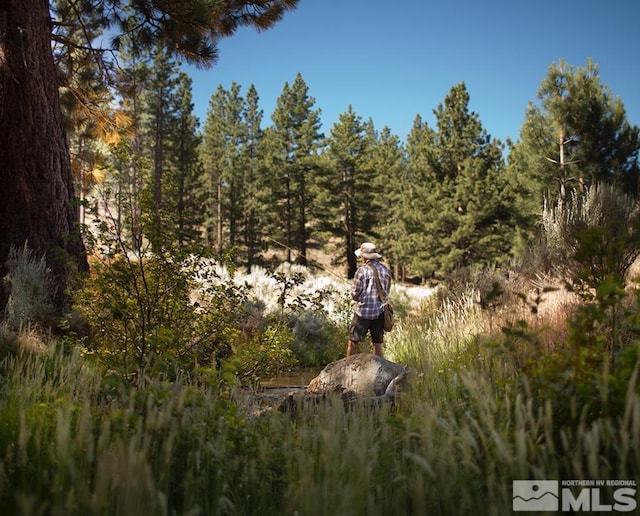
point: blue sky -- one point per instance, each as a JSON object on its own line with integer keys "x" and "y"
{"x": 394, "y": 60}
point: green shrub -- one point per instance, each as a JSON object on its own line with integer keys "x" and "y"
{"x": 147, "y": 318}
{"x": 30, "y": 299}
{"x": 593, "y": 234}
{"x": 318, "y": 340}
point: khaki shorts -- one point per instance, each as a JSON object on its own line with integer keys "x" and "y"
{"x": 360, "y": 326}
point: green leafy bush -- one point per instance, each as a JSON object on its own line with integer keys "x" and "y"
{"x": 147, "y": 321}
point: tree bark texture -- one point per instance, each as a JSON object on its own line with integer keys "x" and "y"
{"x": 36, "y": 187}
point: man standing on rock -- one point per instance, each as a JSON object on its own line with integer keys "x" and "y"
{"x": 369, "y": 309}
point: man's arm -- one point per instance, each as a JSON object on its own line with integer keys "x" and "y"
{"x": 356, "y": 287}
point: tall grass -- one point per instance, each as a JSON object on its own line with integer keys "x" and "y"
{"x": 73, "y": 443}
{"x": 76, "y": 440}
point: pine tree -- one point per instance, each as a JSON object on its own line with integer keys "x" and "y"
{"x": 255, "y": 186}
{"x": 348, "y": 195}
{"x": 37, "y": 203}
{"x": 120, "y": 199}
{"x": 233, "y": 175}
{"x": 461, "y": 200}
{"x": 292, "y": 143}
{"x": 428, "y": 193}
{"x": 577, "y": 136}
{"x": 212, "y": 154}
{"x": 85, "y": 98}
{"x": 233, "y": 154}
{"x": 224, "y": 161}
{"x": 157, "y": 163}
{"x": 159, "y": 114}
{"x": 188, "y": 168}
{"x": 156, "y": 160}
{"x": 390, "y": 184}
{"x": 37, "y": 198}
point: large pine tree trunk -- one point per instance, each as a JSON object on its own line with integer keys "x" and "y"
{"x": 36, "y": 188}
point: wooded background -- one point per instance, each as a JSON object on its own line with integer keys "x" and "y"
{"x": 243, "y": 185}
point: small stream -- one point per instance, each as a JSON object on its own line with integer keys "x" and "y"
{"x": 289, "y": 381}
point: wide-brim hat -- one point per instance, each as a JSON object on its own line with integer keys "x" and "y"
{"x": 367, "y": 251}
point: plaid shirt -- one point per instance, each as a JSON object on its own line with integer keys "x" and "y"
{"x": 365, "y": 292}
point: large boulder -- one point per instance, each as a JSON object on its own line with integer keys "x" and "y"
{"x": 359, "y": 376}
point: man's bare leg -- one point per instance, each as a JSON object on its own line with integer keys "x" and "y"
{"x": 352, "y": 347}
{"x": 377, "y": 349}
